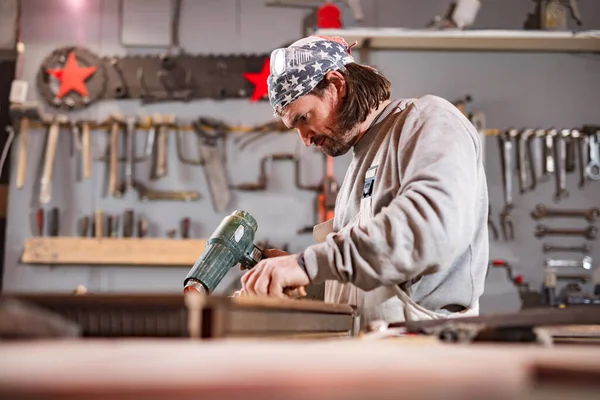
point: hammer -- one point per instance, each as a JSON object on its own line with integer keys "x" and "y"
{"x": 116, "y": 123}
{"x": 24, "y": 113}
{"x": 53, "y": 134}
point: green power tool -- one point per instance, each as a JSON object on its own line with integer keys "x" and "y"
{"x": 231, "y": 243}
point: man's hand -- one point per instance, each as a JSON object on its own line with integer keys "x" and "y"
{"x": 276, "y": 272}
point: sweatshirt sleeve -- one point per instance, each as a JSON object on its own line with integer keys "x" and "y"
{"x": 428, "y": 223}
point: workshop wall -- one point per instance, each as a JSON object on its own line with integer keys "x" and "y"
{"x": 519, "y": 90}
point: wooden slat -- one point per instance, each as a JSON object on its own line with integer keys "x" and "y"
{"x": 112, "y": 251}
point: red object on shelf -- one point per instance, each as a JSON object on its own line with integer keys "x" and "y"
{"x": 519, "y": 279}
{"x": 329, "y": 16}
{"x": 260, "y": 81}
{"x": 72, "y": 76}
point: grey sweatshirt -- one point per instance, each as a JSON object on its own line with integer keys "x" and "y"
{"x": 429, "y": 230}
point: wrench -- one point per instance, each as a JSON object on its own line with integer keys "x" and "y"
{"x": 581, "y": 145}
{"x": 593, "y": 168}
{"x": 524, "y": 157}
{"x": 537, "y": 155}
{"x": 585, "y": 263}
{"x": 560, "y": 158}
{"x": 548, "y": 152}
{"x": 541, "y": 211}
{"x": 130, "y": 131}
{"x": 590, "y": 232}
{"x": 505, "y": 144}
{"x": 584, "y": 248}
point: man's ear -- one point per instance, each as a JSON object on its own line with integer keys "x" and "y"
{"x": 338, "y": 81}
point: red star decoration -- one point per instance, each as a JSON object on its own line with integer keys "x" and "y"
{"x": 260, "y": 81}
{"x": 72, "y": 77}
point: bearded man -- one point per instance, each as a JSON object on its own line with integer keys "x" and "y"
{"x": 409, "y": 239}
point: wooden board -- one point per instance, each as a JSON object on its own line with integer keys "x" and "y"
{"x": 112, "y": 251}
{"x": 260, "y": 369}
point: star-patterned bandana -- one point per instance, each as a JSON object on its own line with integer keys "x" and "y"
{"x": 297, "y": 69}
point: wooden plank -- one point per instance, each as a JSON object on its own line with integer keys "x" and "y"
{"x": 112, "y": 251}
{"x": 275, "y": 369}
{"x": 469, "y": 40}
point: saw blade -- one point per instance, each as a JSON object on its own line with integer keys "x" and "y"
{"x": 216, "y": 175}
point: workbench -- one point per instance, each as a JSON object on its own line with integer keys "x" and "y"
{"x": 284, "y": 369}
{"x": 155, "y": 347}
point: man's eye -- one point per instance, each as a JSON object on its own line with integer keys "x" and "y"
{"x": 302, "y": 118}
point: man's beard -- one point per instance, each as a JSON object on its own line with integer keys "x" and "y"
{"x": 343, "y": 138}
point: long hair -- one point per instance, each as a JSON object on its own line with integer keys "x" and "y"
{"x": 366, "y": 88}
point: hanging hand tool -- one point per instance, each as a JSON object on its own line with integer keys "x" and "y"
{"x": 39, "y": 219}
{"x": 581, "y": 146}
{"x": 552, "y": 15}
{"x": 142, "y": 227}
{"x": 570, "y": 141}
{"x": 549, "y": 151}
{"x": 53, "y": 222}
{"x": 593, "y": 167}
{"x": 116, "y": 122}
{"x": 146, "y": 194}
{"x": 109, "y": 225}
{"x": 210, "y": 132}
{"x": 129, "y": 182}
{"x": 541, "y": 211}
{"x": 584, "y": 249}
{"x": 77, "y": 149}
{"x": 114, "y": 231}
{"x": 99, "y": 224}
{"x": 260, "y": 131}
{"x": 517, "y": 280}
{"x": 53, "y": 135}
{"x": 263, "y": 176}
{"x": 540, "y": 154}
{"x": 84, "y": 226}
{"x": 549, "y": 287}
{"x": 86, "y": 148}
{"x": 560, "y": 154}
{"x": 589, "y": 233}
{"x": 163, "y": 124}
{"x": 128, "y": 221}
{"x": 585, "y": 263}
{"x": 506, "y": 157}
{"x": 23, "y": 114}
{"x": 524, "y": 160}
{"x": 185, "y": 228}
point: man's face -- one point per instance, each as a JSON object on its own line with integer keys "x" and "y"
{"x": 316, "y": 120}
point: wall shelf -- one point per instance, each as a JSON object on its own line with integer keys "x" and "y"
{"x": 469, "y": 40}
{"x": 112, "y": 251}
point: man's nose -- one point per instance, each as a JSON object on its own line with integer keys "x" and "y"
{"x": 306, "y": 135}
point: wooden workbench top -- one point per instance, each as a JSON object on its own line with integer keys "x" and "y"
{"x": 258, "y": 369}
